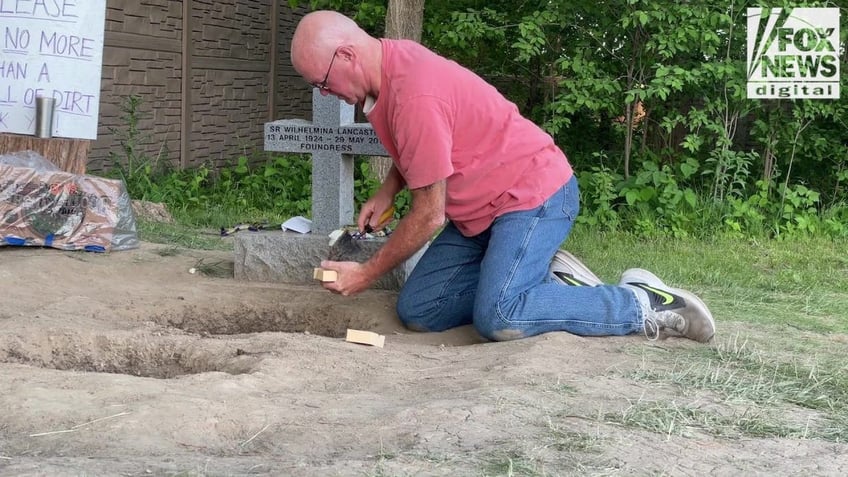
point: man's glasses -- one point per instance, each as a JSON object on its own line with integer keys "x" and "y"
{"x": 323, "y": 84}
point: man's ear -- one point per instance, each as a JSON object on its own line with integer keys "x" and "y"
{"x": 347, "y": 52}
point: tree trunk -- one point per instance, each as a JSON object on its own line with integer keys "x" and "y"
{"x": 70, "y": 155}
{"x": 404, "y": 19}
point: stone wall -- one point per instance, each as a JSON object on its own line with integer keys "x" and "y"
{"x": 239, "y": 77}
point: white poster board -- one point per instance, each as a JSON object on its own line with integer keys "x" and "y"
{"x": 51, "y": 48}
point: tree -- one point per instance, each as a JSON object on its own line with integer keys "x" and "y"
{"x": 405, "y": 19}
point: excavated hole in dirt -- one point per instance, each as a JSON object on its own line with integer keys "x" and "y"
{"x": 331, "y": 320}
{"x": 162, "y": 357}
{"x": 165, "y": 356}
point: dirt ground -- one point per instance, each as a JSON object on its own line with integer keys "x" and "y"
{"x": 127, "y": 364}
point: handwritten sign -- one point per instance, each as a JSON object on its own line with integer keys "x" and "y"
{"x": 51, "y": 48}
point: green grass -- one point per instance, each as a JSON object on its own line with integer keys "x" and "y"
{"x": 512, "y": 464}
{"x": 783, "y": 386}
{"x": 170, "y": 251}
{"x": 215, "y": 268}
{"x": 673, "y": 419}
{"x": 185, "y": 236}
{"x": 217, "y": 216}
{"x": 564, "y": 440}
{"x": 199, "y": 228}
{"x": 800, "y": 283}
{"x": 782, "y": 377}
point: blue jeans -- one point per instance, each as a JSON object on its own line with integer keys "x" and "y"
{"x": 499, "y": 281}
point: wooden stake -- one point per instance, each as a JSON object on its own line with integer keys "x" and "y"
{"x": 325, "y": 275}
{"x": 365, "y": 337}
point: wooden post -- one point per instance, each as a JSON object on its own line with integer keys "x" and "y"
{"x": 185, "y": 97}
{"x": 70, "y": 155}
{"x": 273, "y": 54}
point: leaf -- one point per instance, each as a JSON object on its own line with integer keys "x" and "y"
{"x": 632, "y": 196}
{"x": 690, "y": 197}
{"x": 688, "y": 168}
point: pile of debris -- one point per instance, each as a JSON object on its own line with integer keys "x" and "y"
{"x": 43, "y": 206}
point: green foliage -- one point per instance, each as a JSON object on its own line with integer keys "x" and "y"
{"x": 702, "y": 155}
{"x": 280, "y": 183}
{"x": 599, "y": 191}
{"x": 365, "y": 185}
{"x": 261, "y": 188}
{"x": 135, "y": 168}
{"x": 269, "y": 189}
{"x": 685, "y": 169}
{"x": 655, "y": 194}
{"x": 658, "y": 201}
{"x": 370, "y": 15}
{"x": 646, "y": 97}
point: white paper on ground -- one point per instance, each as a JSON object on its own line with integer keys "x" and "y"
{"x": 298, "y": 224}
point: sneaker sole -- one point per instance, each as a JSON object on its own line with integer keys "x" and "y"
{"x": 567, "y": 263}
{"x": 694, "y": 305}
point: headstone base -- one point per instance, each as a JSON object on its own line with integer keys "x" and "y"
{"x": 290, "y": 257}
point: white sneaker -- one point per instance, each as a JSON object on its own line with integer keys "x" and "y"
{"x": 676, "y": 311}
{"x": 566, "y": 269}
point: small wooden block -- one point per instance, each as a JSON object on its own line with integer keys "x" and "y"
{"x": 365, "y": 337}
{"x": 325, "y": 275}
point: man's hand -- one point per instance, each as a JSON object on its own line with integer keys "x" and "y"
{"x": 373, "y": 209}
{"x": 375, "y": 214}
{"x": 352, "y": 277}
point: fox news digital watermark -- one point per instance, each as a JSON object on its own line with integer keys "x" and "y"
{"x": 793, "y": 53}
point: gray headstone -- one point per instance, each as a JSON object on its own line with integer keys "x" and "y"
{"x": 289, "y": 257}
{"x": 332, "y": 138}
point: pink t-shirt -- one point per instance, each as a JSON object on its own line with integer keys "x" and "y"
{"x": 439, "y": 120}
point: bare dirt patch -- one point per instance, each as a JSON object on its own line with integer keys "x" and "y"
{"x": 127, "y": 364}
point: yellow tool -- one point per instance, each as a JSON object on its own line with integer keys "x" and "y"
{"x": 384, "y": 219}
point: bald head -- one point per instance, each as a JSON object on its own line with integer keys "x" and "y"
{"x": 325, "y": 40}
{"x": 319, "y": 34}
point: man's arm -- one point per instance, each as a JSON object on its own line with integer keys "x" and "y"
{"x": 425, "y": 216}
